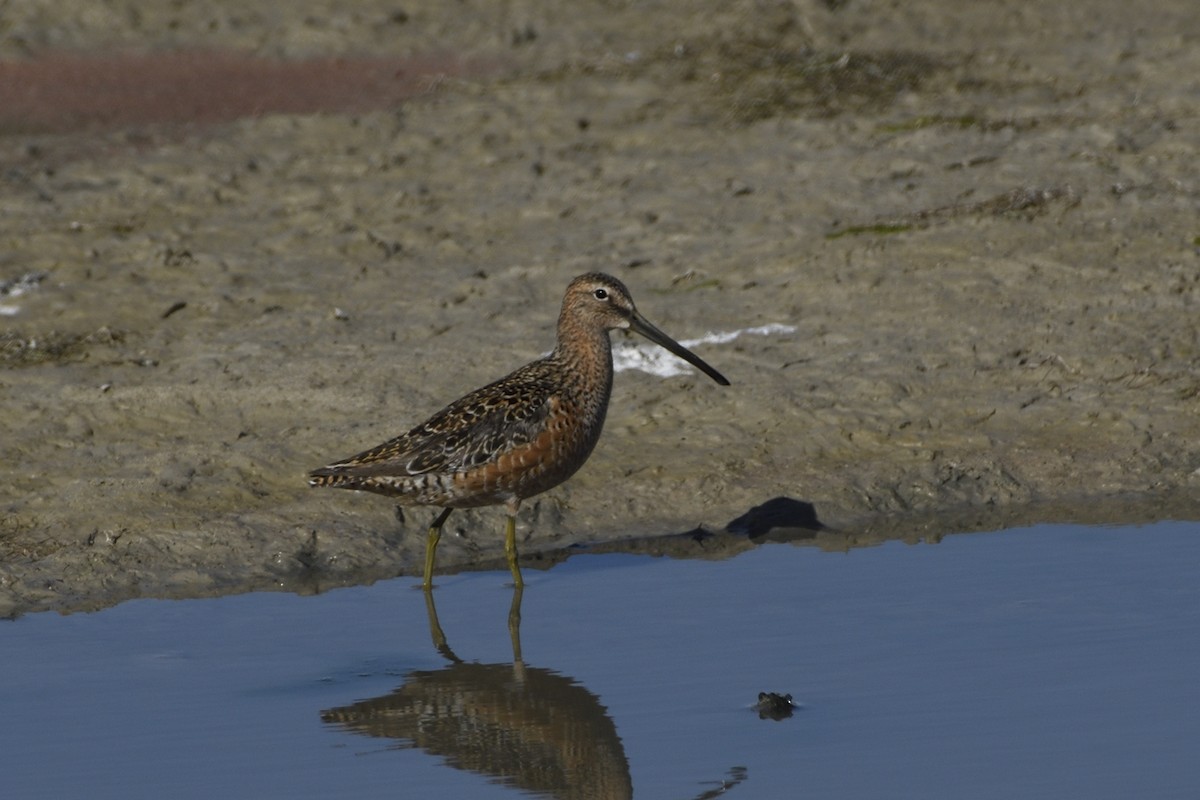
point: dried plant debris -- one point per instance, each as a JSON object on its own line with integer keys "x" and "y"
{"x": 20, "y": 541}
{"x": 766, "y": 66}
{"x": 20, "y": 350}
{"x": 1024, "y": 202}
{"x": 767, "y": 84}
{"x": 15, "y": 287}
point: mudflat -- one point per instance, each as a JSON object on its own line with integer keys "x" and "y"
{"x": 238, "y": 243}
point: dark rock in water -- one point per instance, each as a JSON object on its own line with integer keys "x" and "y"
{"x": 775, "y": 706}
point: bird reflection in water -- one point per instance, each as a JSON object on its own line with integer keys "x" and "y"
{"x": 522, "y": 726}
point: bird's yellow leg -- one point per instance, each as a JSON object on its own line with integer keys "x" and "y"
{"x": 510, "y": 548}
{"x": 435, "y": 533}
{"x": 514, "y": 624}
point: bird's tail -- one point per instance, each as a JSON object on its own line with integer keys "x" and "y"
{"x": 333, "y": 476}
{"x": 355, "y": 476}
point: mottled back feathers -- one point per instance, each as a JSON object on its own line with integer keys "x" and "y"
{"x": 466, "y": 434}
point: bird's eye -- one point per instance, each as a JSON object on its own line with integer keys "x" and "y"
{"x": 600, "y": 294}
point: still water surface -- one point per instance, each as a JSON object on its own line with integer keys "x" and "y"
{"x": 1049, "y": 662}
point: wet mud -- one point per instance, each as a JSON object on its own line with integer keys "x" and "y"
{"x": 981, "y": 221}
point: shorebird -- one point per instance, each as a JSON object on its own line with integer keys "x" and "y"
{"x": 517, "y": 437}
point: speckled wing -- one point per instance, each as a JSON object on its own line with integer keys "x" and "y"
{"x": 466, "y": 434}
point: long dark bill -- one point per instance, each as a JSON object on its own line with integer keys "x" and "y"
{"x": 639, "y": 325}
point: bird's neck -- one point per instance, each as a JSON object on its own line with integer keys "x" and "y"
{"x": 588, "y": 356}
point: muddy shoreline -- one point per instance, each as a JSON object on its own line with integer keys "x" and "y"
{"x": 981, "y": 223}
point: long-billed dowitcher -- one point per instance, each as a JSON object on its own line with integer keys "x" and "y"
{"x": 519, "y": 436}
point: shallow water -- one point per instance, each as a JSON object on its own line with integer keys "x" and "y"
{"x": 1056, "y": 661}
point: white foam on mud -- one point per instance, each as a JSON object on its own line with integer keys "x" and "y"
{"x": 649, "y": 357}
